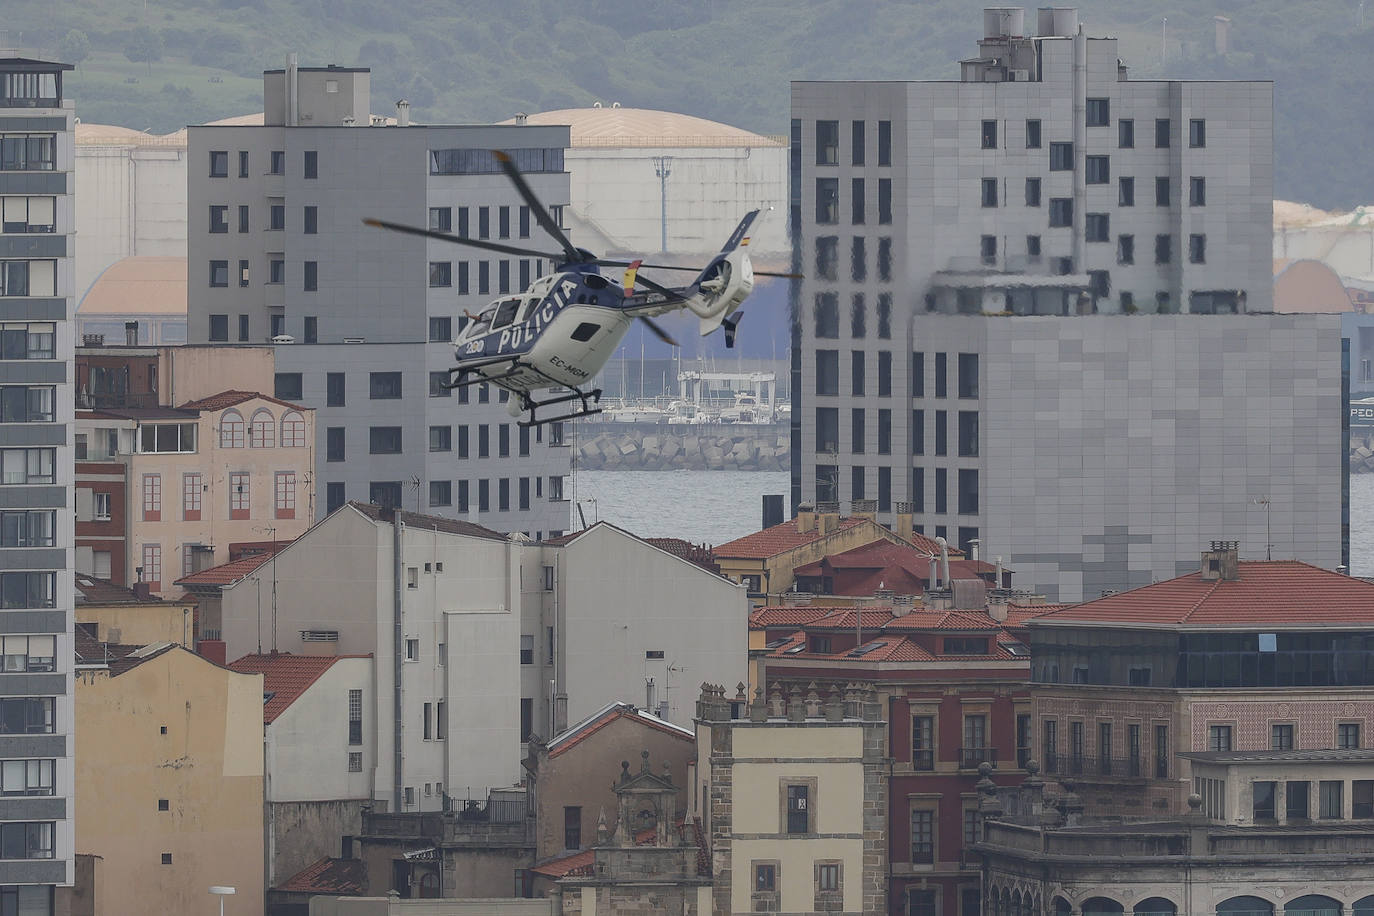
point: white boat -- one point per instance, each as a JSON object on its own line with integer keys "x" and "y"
{"x": 746, "y": 409}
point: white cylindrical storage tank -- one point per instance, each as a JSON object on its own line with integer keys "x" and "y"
{"x": 1056, "y": 21}
{"x": 1004, "y": 22}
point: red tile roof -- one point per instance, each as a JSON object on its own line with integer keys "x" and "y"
{"x": 1018, "y": 614}
{"x": 284, "y": 676}
{"x": 778, "y": 539}
{"x": 579, "y": 862}
{"x": 888, "y": 646}
{"x": 102, "y": 592}
{"x": 1279, "y": 594}
{"x": 340, "y": 877}
{"x": 686, "y": 550}
{"x": 225, "y": 573}
{"x": 226, "y": 399}
{"x": 596, "y": 721}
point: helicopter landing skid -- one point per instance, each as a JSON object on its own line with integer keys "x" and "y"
{"x": 576, "y": 394}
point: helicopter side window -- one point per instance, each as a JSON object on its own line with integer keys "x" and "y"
{"x": 531, "y": 304}
{"x": 584, "y": 331}
{"x": 482, "y": 323}
{"x": 505, "y": 313}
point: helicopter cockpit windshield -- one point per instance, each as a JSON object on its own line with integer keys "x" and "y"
{"x": 480, "y": 325}
{"x": 504, "y": 314}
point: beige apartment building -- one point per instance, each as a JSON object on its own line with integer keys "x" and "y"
{"x": 232, "y": 468}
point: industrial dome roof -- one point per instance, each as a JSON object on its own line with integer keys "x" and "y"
{"x": 611, "y": 126}
{"x": 114, "y": 135}
{"x": 138, "y": 286}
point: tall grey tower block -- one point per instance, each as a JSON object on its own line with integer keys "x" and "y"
{"x": 1037, "y": 314}
{"x": 363, "y": 319}
{"x": 37, "y": 521}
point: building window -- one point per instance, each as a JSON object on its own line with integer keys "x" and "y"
{"x": 765, "y": 878}
{"x": 1281, "y": 737}
{"x": 1097, "y": 227}
{"x": 1197, "y": 249}
{"x": 219, "y": 275}
{"x": 923, "y": 742}
{"x": 334, "y": 443}
{"x": 989, "y": 135}
{"x": 827, "y": 201}
{"x": 884, "y": 143}
{"x": 922, "y": 837}
{"x": 884, "y": 201}
{"x": 239, "y": 495}
{"x": 152, "y": 566}
{"x": 219, "y": 219}
{"x": 262, "y": 430}
{"x": 192, "y": 492}
{"x": 1125, "y": 249}
{"x": 384, "y": 385}
{"x": 1218, "y": 737}
{"x": 1161, "y": 751}
{"x": 798, "y": 809}
{"x": 1061, "y": 157}
{"x": 311, "y": 221}
{"x": 37, "y": 527}
{"x": 440, "y": 438}
{"x": 1032, "y": 192}
{"x": 1163, "y": 249}
{"x": 312, "y": 276}
{"x": 1330, "y": 803}
{"x": 1033, "y": 133}
{"x": 975, "y": 749}
{"x": 231, "y": 429}
{"x": 334, "y": 395}
{"x": 858, "y": 260}
{"x": 828, "y": 877}
{"x": 276, "y": 271}
{"x": 856, "y": 202}
{"x": 311, "y": 164}
{"x": 884, "y": 310}
{"x": 1362, "y": 798}
{"x": 827, "y": 257}
{"x": 1098, "y": 170}
{"x": 1262, "y": 798}
{"x": 276, "y": 217}
{"x": 1125, "y": 129}
{"x": 1099, "y": 113}
{"x": 1061, "y": 212}
{"x": 219, "y": 163}
{"x": 1162, "y": 132}
{"x": 526, "y": 719}
{"x": 1125, "y": 192}
{"x": 827, "y": 315}
{"x": 827, "y": 143}
{"x": 1348, "y": 735}
{"x": 152, "y": 497}
{"x": 989, "y": 192}
{"x": 335, "y": 495}
{"x": 941, "y": 437}
{"x": 285, "y": 494}
{"x": 1197, "y": 192}
{"x": 968, "y": 436}
{"x": 1162, "y": 192}
{"x": 292, "y": 430}
{"x": 1297, "y": 800}
{"x": 1197, "y": 133}
{"x": 384, "y": 440}
{"x": 440, "y": 493}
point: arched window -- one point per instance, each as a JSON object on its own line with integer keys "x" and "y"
{"x": 1102, "y": 906}
{"x": 1245, "y": 906}
{"x": 1061, "y": 907}
{"x": 262, "y": 434}
{"x": 1155, "y": 906}
{"x": 429, "y": 885}
{"x": 1363, "y": 907}
{"x": 292, "y": 430}
{"x": 231, "y": 429}
{"x": 1312, "y": 905}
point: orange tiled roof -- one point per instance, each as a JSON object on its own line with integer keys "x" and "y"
{"x": 1018, "y": 614}
{"x": 284, "y": 676}
{"x": 1280, "y": 593}
{"x": 101, "y": 592}
{"x": 886, "y": 646}
{"x": 226, "y": 399}
{"x": 340, "y": 877}
{"x": 589, "y": 726}
{"x": 225, "y": 573}
{"x": 778, "y": 539}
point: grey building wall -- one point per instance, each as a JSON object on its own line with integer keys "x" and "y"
{"x": 52, "y": 437}
{"x": 1102, "y": 452}
{"x": 374, "y": 292}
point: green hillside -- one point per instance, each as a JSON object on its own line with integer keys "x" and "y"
{"x": 165, "y": 63}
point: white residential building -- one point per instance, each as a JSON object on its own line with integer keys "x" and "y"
{"x": 481, "y": 639}
{"x": 37, "y": 405}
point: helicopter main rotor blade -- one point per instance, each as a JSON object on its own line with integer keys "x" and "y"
{"x": 462, "y": 240}
{"x": 541, "y": 214}
{"x": 696, "y": 270}
{"x": 659, "y": 332}
{"x": 672, "y": 294}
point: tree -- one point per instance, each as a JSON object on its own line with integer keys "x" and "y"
{"x": 144, "y": 45}
{"x": 74, "y": 47}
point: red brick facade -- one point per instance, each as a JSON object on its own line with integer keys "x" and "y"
{"x": 107, "y": 479}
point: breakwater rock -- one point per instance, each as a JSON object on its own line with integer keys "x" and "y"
{"x": 644, "y": 447}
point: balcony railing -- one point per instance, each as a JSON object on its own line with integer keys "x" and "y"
{"x": 1023, "y": 755}
{"x": 1138, "y": 767}
{"x": 971, "y": 757}
{"x": 922, "y": 759}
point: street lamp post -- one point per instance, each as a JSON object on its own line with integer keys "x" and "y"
{"x": 221, "y": 892}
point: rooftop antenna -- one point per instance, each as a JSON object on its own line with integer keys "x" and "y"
{"x": 1268, "y": 538}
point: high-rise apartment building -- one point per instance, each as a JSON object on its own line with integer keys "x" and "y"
{"x": 363, "y": 319}
{"x": 37, "y": 159}
{"x": 1037, "y": 314}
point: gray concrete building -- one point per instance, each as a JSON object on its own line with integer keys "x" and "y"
{"x": 363, "y": 319}
{"x": 1038, "y": 314}
{"x": 37, "y": 528}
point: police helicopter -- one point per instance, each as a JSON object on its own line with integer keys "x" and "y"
{"x": 560, "y": 332}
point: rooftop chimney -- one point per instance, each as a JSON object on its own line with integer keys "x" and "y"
{"x": 292, "y": 96}
{"x": 402, "y": 113}
{"x": 131, "y": 333}
{"x": 806, "y": 518}
{"x": 143, "y": 591}
{"x": 904, "y": 527}
{"x": 864, "y": 508}
{"x": 1221, "y": 562}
